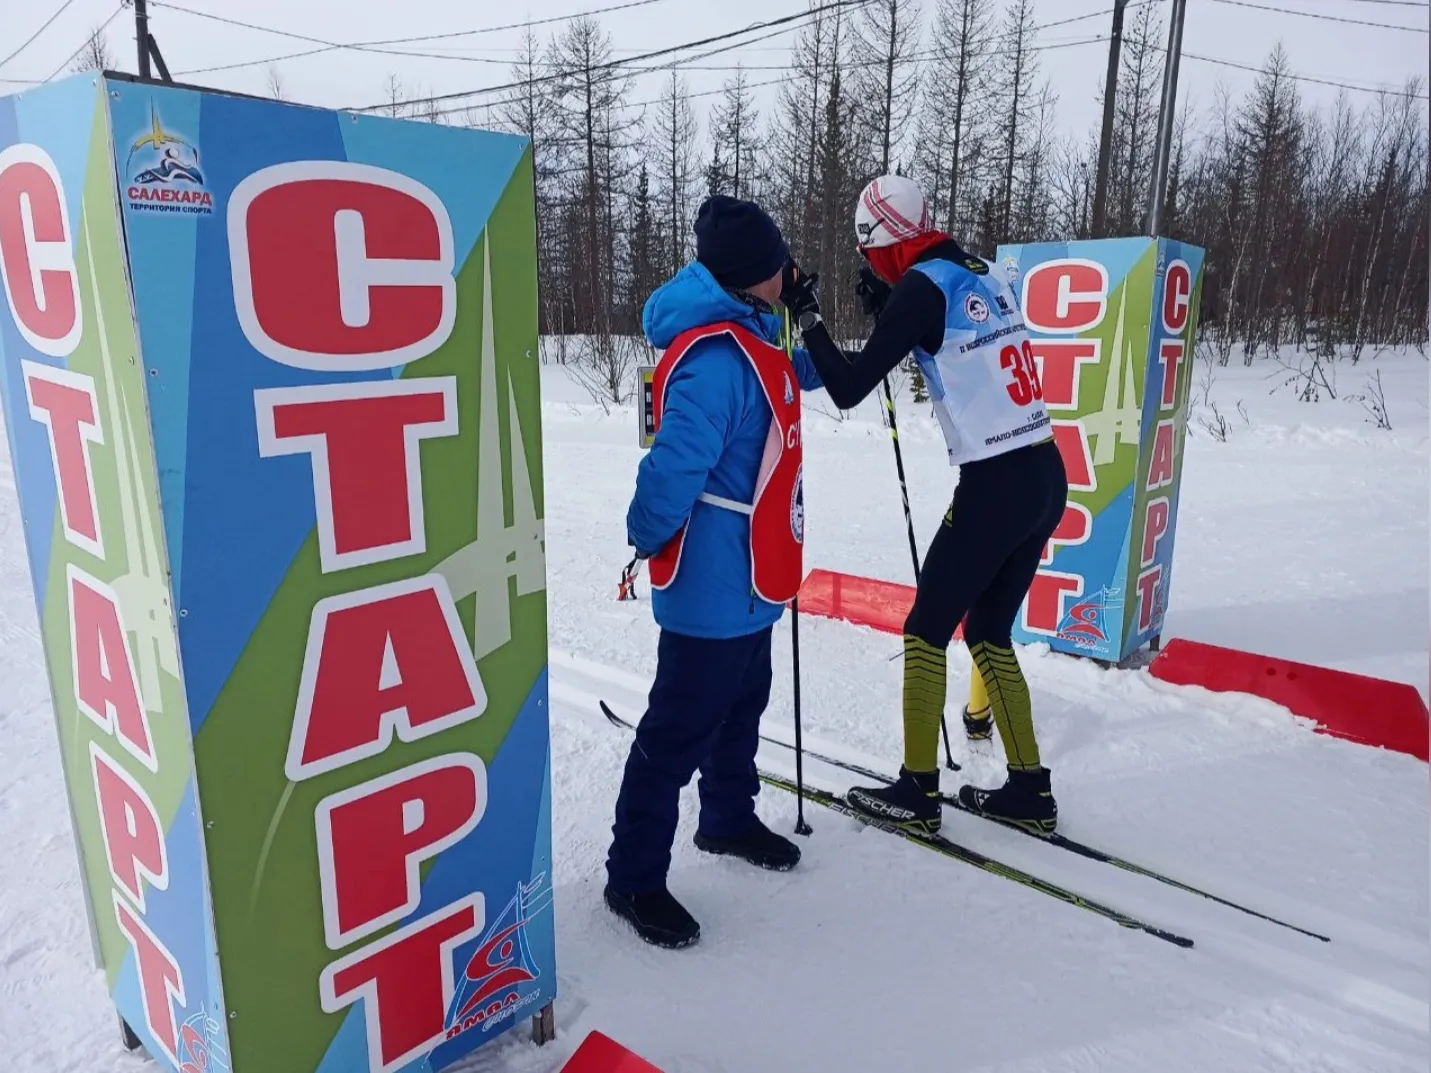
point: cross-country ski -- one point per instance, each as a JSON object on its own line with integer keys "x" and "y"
{"x": 1061, "y": 841}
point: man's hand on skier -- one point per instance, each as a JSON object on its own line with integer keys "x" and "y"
{"x": 797, "y": 290}
{"x": 872, "y": 292}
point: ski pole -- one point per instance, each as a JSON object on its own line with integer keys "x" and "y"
{"x": 913, "y": 546}
{"x": 801, "y": 827}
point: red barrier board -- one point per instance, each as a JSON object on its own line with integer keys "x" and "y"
{"x": 1371, "y": 711}
{"x": 601, "y": 1054}
{"x": 881, "y": 605}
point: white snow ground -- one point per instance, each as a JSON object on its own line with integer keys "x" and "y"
{"x": 1303, "y": 535}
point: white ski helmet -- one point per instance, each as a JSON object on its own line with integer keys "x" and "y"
{"x": 891, "y": 209}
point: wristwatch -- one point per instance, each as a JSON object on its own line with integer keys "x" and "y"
{"x": 808, "y": 319}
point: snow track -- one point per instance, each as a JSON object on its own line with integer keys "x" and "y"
{"x": 1367, "y": 972}
{"x": 876, "y": 955}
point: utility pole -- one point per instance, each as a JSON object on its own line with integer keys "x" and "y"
{"x": 1158, "y": 192}
{"x": 141, "y": 36}
{"x": 1105, "y": 139}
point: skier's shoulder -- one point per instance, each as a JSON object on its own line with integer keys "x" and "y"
{"x": 954, "y": 268}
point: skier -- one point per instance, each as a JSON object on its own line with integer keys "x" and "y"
{"x": 959, "y": 316}
{"x": 719, "y": 515}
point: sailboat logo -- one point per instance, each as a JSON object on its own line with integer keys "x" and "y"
{"x": 489, "y": 989}
{"x": 1086, "y": 623}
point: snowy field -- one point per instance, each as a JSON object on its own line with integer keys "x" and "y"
{"x": 1302, "y": 534}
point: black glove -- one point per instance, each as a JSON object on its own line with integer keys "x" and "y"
{"x": 872, "y": 292}
{"x": 797, "y": 290}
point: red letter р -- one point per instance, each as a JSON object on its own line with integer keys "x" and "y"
{"x": 390, "y": 659}
{"x": 37, "y": 265}
{"x": 340, "y": 267}
{"x": 160, "y": 982}
{"x": 133, "y": 840}
{"x": 66, "y": 404}
{"x": 405, "y": 981}
{"x": 364, "y": 439}
{"x": 1155, "y": 524}
{"x": 373, "y": 837}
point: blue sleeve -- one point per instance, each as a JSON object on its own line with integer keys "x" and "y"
{"x": 701, "y": 411}
{"x": 805, "y": 370}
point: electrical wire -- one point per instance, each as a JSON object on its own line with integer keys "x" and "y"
{"x": 1303, "y": 78}
{"x": 73, "y": 55}
{"x": 612, "y": 64}
{"x": 1319, "y": 15}
{"x": 375, "y": 45}
{"x": 43, "y": 27}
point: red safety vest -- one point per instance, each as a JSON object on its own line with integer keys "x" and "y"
{"x": 777, "y": 517}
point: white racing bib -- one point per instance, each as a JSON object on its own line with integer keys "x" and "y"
{"x": 983, "y": 380}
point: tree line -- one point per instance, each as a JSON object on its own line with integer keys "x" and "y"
{"x": 1314, "y": 220}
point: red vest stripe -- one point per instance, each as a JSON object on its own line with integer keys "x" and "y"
{"x": 777, "y": 517}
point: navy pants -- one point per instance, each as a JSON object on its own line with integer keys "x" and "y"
{"x": 703, "y": 713}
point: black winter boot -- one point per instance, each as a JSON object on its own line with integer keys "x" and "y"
{"x": 760, "y": 846}
{"x": 1025, "y": 800}
{"x": 657, "y": 917}
{"x": 912, "y": 802}
{"x": 979, "y": 726}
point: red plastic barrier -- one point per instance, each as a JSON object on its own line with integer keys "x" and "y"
{"x": 881, "y": 605}
{"x": 601, "y": 1054}
{"x": 1371, "y": 711}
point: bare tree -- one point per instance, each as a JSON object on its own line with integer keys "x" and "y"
{"x": 1022, "y": 66}
{"x": 589, "y": 92}
{"x": 674, "y": 167}
{"x": 95, "y": 56}
{"x": 955, "y": 130}
{"x": 735, "y": 141}
{"x": 275, "y": 83}
{"x": 885, "y": 77}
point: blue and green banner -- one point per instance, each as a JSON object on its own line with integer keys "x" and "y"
{"x": 1112, "y": 323}
{"x": 309, "y": 400}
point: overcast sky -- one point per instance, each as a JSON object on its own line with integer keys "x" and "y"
{"x": 1224, "y": 30}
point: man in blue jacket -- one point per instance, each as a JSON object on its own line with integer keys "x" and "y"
{"x": 719, "y": 401}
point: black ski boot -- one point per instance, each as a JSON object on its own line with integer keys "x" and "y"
{"x": 979, "y": 726}
{"x": 912, "y": 802}
{"x": 1025, "y": 800}
{"x": 762, "y": 847}
{"x": 657, "y": 917}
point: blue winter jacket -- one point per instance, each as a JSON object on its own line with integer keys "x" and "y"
{"x": 713, "y": 428}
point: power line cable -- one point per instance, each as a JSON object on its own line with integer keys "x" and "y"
{"x": 73, "y": 55}
{"x": 375, "y": 45}
{"x": 1304, "y": 78}
{"x": 1319, "y": 15}
{"x": 612, "y": 64}
{"x": 687, "y": 63}
{"x": 43, "y": 27}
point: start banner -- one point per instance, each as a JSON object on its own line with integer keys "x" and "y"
{"x": 270, "y": 380}
{"x": 1113, "y": 325}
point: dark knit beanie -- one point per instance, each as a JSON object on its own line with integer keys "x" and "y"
{"x": 738, "y": 242}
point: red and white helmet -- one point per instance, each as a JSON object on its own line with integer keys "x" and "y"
{"x": 891, "y": 209}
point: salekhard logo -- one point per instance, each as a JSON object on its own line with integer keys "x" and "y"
{"x": 164, "y": 173}
{"x": 789, "y": 390}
